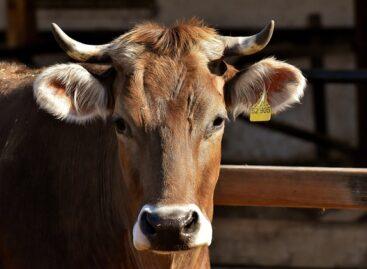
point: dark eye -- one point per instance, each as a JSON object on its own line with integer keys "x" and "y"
{"x": 218, "y": 122}
{"x": 215, "y": 126}
{"x": 120, "y": 125}
{"x": 217, "y": 67}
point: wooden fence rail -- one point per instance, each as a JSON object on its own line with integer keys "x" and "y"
{"x": 310, "y": 187}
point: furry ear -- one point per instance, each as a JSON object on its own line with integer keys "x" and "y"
{"x": 72, "y": 93}
{"x": 283, "y": 83}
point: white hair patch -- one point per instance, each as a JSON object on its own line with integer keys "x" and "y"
{"x": 70, "y": 93}
{"x": 248, "y": 88}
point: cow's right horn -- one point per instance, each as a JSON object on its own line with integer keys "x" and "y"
{"x": 247, "y": 45}
{"x": 77, "y": 50}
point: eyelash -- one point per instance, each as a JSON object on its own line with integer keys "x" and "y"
{"x": 217, "y": 67}
{"x": 216, "y": 125}
{"x": 120, "y": 125}
{"x": 218, "y": 122}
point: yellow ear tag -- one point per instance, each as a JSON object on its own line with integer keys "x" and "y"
{"x": 261, "y": 111}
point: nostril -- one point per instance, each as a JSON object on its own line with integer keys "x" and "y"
{"x": 147, "y": 224}
{"x": 191, "y": 223}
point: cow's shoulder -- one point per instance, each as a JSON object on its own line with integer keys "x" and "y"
{"x": 15, "y": 75}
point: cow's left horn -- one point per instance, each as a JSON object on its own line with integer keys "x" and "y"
{"x": 249, "y": 44}
{"x": 77, "y": 50}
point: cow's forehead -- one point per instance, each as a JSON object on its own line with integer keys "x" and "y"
{"x": 162, "y": 88}
{"x": 180, "y": 39}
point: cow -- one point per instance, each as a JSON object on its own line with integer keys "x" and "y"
{"x": 111, "y": 161}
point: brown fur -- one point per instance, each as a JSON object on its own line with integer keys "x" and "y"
{"x": 182, "y": 38}
{"x": 13, "y": 74}
{"x": 65, "y": 202}
{"x": 175, "y": 40}
{"x": 79, "y": 205}
{"x": 60, "y": 201}
{"x": 169, "y": 96}
{"x": 169, "y": 123}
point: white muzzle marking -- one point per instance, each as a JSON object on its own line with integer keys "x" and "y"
{"x": 203, "y": 235}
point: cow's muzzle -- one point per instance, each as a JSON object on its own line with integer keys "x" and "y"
{"x": 171, "y": 228}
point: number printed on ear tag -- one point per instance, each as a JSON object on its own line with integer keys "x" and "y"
{"x": 261, "y": 111}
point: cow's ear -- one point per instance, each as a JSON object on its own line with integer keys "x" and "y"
{"x": 283, "y": 83}
{"x": 74, "y": 92}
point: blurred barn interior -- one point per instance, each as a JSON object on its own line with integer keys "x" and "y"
{"x": 326, "y": 39}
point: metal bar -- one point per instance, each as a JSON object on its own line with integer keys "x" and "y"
{"x": 244, "y": 266}
{"x": 336, "y": 76}
{"x": 94, "y": 4}
{"x": 361, "y": 49}
{"x": 318, "y": 87}
{"x": 324, "y": 141}
{"x": 312, "y": 75}
{"x": 303, "y": 187}
{"x": 287, "y": 43}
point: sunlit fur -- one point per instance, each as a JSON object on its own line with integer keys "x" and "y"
{"x": 283, "y": 83}
{"x": 70, "y": 93}
{"x": 174, "y": 41}
{"x": 169, "y": 153}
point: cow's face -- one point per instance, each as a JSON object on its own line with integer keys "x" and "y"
{"x": 169, "y": 97}
{"x": 169, "y": 120}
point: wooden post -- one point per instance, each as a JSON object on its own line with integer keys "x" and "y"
{"x": 282, "y": 186}
{"x": 21, "y": 24}
{"x": 360, "y": 7}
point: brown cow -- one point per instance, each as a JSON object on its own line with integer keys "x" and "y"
{"x": 114, "y": 165}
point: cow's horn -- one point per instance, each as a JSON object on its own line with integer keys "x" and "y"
{"x": 77, "y": 50}
{"x": 249, "y": 44}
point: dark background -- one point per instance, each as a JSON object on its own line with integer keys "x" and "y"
{"x": 326, "y": 39}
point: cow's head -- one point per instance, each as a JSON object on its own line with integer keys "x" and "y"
{"x": 169, "y": 93}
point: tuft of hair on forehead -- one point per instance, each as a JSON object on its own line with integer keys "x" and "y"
{"x": 174, "y": 40}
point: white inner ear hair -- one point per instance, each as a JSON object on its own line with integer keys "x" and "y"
{"x": 70, "y": 93}
{"x": 293, "y": 87}
{"x": 250, "y": 85}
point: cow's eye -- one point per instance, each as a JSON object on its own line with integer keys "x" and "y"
{"x": 217, "y": 67}
{"x": 120, "y": 125}
{"x": 216, "y": 125}
{"x": 218, "y": 122}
